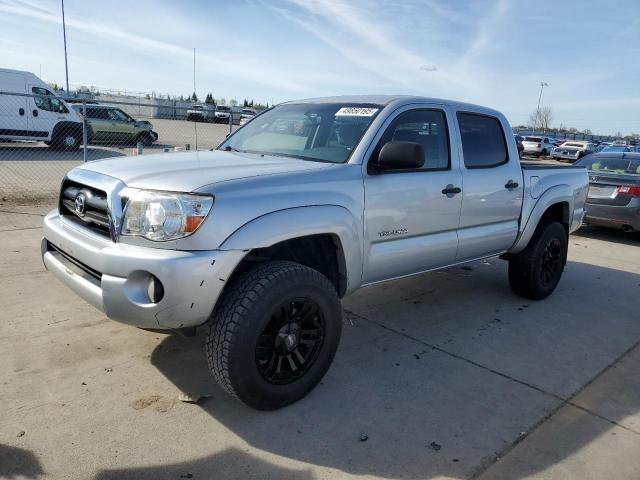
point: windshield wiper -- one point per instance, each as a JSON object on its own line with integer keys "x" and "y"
{"x": 232, "y": 149}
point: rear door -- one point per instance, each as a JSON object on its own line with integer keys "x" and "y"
{"x": 492, "y": 186}
{"x": 100, "y": 124}
{"x": 410, "y": 222}
{"x": 13, "y": 108}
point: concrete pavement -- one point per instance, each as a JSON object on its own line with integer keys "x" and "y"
{"x": 448, "y": 374}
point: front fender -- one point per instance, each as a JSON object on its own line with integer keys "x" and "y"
{"x": 282, "y": 225}
{"x": 556, "y": 194}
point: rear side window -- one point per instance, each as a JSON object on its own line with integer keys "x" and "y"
{"x": 97, "y": 113}
{"x": 483, "y": 142}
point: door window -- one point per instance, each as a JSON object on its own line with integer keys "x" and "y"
{"x": 45, "y": 100}
{"x": 483, "y": 143}
{"x": 428, "y": 128}
{"x": 117, "y": 115}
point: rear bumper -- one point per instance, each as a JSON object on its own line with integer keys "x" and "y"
{"x": 115, "y": 277}
{"x": 614, "y": 216}
{"x": 565, "y": 157}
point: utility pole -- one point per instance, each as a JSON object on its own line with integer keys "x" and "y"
{"x": 64, "y": 35}
{"x": 542, "y": 85}
{"x": 194, "y": 70}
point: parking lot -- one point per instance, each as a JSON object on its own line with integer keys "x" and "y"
{"x": 443, "y": 375}
{"x": 32, "y": 171}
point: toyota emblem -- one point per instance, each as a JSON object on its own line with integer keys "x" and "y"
{"x": 81, "y": 203}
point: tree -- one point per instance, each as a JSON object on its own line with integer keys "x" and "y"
{"x": 251, "y": 103}
{"x": 233, "y": 102}
{"x": 587, "y": 131}
{"x": 194, "y": 97}
{"x": 541, "y": 118}
{"x": 245, "y": 103}
{"x": 210, "y": 100}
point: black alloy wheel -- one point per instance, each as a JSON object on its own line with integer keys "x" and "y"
{"x": 289, "y": 345}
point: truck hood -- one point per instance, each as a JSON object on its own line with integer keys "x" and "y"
{"x": 189, "y": 171}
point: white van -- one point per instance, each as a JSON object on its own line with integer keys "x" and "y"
{"x": 30, "y": 110}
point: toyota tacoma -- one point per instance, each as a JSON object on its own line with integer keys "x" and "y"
{"x": 258, "y": 240}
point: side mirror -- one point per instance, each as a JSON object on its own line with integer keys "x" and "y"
{"x": 400, "y": 156}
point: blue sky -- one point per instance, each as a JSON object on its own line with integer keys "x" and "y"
{"x": 491, "y": 52}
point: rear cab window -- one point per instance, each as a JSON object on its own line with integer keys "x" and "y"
{"x": 483, "y": 140}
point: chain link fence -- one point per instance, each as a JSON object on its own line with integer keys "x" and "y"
{"x": 43, "y": 136}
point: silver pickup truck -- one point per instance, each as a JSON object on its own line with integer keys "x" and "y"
{"x": 258, "y": 240}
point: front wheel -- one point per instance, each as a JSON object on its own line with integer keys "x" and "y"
{"x": 274, "y": 334}
{"x": 146, "y": 139}
{"x": 535, "y": 272}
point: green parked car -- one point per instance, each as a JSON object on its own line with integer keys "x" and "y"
{"x": 110, "y": 125}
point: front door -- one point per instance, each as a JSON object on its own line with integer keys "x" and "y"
{"x": 45, "y": 111}
{"x": 492, "y": 187}
{"x": 411, "y": 217}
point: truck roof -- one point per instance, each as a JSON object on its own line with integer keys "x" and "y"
{"x": 397, "y": 100}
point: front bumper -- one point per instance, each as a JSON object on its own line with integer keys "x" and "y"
{"x": 114, "y": 277}
{"x": 614, "y": 216}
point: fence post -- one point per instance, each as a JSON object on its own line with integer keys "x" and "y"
{"x": 84, "y": 131}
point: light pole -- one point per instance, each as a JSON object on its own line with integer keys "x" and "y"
{"x": 64, "y": 36}
{"x": 542, "y": 85}
{"x": 194, "y": 71}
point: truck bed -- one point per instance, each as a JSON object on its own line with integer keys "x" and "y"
{"x": 537, "y": 165}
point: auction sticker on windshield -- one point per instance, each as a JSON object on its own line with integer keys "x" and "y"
{"x": 356, "y": 112}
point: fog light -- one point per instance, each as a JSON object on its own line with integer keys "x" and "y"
{"x": 143, "y": 288}
{"x": 155, "y": 290}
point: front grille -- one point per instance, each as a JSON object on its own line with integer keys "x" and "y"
{"x": 85, "y": 205}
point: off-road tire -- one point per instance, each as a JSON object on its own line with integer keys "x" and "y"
{"x": 525, "y": 268}
{"x": 241, "y": 316}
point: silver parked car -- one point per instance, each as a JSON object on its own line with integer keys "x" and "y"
{"x": 614, "y": 190}
{"x": 573, "y": 150}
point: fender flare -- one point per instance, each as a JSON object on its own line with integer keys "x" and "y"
{"x": 281, "y": 225}
{"x": 554, "y": 195}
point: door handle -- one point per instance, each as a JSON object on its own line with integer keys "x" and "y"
{"x": 450, "y": 190}
{"x": 35, "y": 113}
{"x": 510, "y": 185}
{"x": 21, "y": 112}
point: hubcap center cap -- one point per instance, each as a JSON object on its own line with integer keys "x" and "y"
{"x": 288, "y": 337}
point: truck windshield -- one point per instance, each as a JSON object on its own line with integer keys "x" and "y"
{"x": 323, "y": 132}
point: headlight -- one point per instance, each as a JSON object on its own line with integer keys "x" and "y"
{"x": 163, "y": 216}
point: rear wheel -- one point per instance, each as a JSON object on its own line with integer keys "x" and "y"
{"x": 66, "y": 141}
{"x": 535, "y": 272}
{"x": 274, "y": 334}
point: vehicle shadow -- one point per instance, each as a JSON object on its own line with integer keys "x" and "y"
{"x": 230, "y": 463}
{"x": 18, "y": 463}
{"x": 609, "y": 234}
{"x": 40, "y": 152}
{"x": 425, "y": 413}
